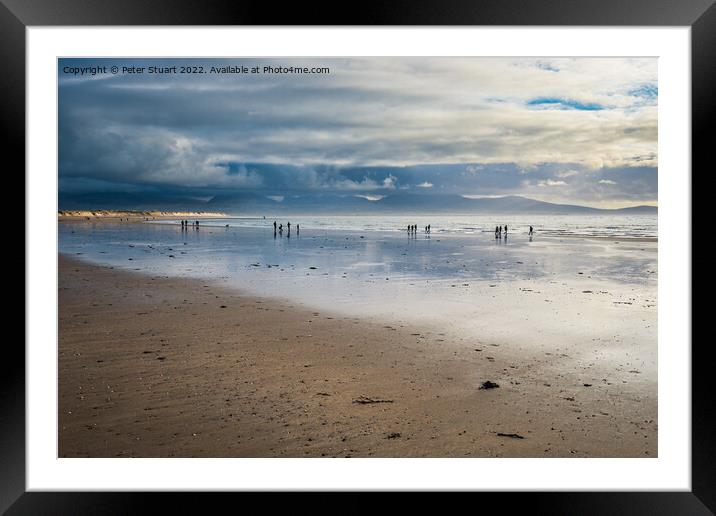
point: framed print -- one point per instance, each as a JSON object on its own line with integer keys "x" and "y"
{"x": 432, "y": 247}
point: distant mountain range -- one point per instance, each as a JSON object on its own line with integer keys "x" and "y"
{"x": 405, "y": 203}
{"x": 257, "y": 204}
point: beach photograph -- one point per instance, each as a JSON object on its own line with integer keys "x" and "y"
{"x": 387, "y": 257}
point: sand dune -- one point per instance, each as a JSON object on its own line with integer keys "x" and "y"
{"x": 66, "y": 215}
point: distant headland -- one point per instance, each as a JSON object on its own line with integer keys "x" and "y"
{"x": 134, "y": 214}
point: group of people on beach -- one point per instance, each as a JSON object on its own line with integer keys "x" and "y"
{"x": 413, "y": 229}
{"x": 185, "y": 224}
{"x": 279, "y": 229}
{"x": 500, "y": 229}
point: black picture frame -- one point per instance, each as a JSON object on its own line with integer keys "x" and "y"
{"x": 17, "y": 15}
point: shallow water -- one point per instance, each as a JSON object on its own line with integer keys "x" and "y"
{"x": 364, "y": 272}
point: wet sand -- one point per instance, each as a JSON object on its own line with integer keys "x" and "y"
{"x": 154, "y": 366}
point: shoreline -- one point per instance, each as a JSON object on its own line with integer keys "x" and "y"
{"x": 109, "y": 216}
{"x": 152, "y": 366}
{"x": 615, "y": 239}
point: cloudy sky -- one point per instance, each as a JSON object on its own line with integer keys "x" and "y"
{"x": 581, "y": 131}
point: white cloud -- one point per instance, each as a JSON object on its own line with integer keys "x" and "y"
{"x": 389, "y": 182}
{"x": 566, "y": 173}
{"x": 371, "y": 197}
{"x": 347, "y": 184}
{"x": 550, "y": 182}
{"x": 607, "y": 182}
{"x": 425, "y": 184}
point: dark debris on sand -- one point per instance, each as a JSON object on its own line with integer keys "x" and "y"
{"x": 513, "y": 436}
{"x": 364, "y": 400}
{"x": 489, "y": 385}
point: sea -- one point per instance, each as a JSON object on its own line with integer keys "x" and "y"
{"x": 601, "y": 225}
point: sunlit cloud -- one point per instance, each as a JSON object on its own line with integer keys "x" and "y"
{"x": 550, "y": 182}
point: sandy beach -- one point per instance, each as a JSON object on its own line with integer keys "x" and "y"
{"x": 157, "y": 365}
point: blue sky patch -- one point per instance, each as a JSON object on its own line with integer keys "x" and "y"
{"x": 560, "y": 103}
{"x": 647, "y": 91}
{"x": 547, "y": 66}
